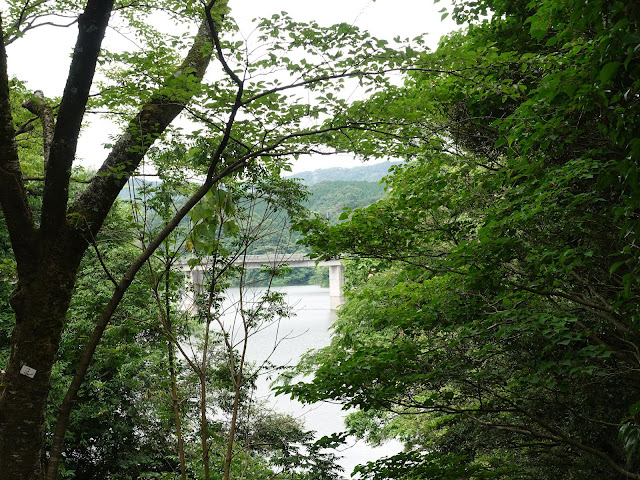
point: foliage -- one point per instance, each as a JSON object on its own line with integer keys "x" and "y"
{"x": 7, "y": 279}
{"x": 493, "y": 320}
{"x": 493, "y": 311}
{"x": 121, "y": 426}
{"x": 226, "y": 225}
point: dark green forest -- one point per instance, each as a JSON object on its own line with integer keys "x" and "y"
{"x": 491, "y": 320}
{"x": 492, "y": 314}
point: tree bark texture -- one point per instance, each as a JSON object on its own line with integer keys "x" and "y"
{"x": 49, "y": 254}
{"x": 47, "y": 257}
{"x": 39, "y": 107}
{"x": 40, "y": 303}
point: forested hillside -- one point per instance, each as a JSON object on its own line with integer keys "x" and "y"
{"x": 328, "y": 198}
{"x": 365, "y": 173}
{"x": 325, "y": 196}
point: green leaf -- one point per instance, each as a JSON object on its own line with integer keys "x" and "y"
{"x": 615, "y": 266}
{"x": 500, "y": 142}
{"x": 608, "y": 71}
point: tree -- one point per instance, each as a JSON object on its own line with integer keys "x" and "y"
{"x": 120, "y": 427}
{"x": 134, "y": 392}
{"x": 48, "y": 253}
{"x": 497, "y": 330}
{"x": 225, "y": 225}
{"x": 250, "y": 117}
{"x": 238, "y": 436}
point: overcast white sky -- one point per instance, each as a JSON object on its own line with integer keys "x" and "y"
{"x": 42, "y": 56}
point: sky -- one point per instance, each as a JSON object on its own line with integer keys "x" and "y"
{"x": 41, "y": 58}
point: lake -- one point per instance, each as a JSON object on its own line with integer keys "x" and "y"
{"x": 284, "y": 342}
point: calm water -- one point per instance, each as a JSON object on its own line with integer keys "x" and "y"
{"x": 283, "y": 343}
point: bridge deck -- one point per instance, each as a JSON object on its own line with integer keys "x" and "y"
{"x": 256, "y": 261}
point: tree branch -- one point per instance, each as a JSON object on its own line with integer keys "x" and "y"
{"x": 95, "y": 202}
{"x": 38, "y": 106}
{"x": 31, "y": 26}
{"x": 559, "y": 437}
{"x": 579, "y": 299}
{"x": 25, "y": 127}
{"x": 94, "y": 244}
{"x": 216, "y": 41}
{"x": 92, "y": 25}
{"x": 41, "y": 179}
{"x": 122, "y": 286}
{"x": 13, "y": 195}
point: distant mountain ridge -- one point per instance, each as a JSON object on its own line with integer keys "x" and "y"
{"x": 367, "y": 173}
{"x": 331, "y": 189}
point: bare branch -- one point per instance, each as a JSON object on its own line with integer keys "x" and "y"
{"x": 104, "y": 267}
{"x": 216, "y": 41}
{"x": 25, "y": 127}
{"x": 347, "y": 74}
{"x": 38, "y": 106}
{"x": 29, "y": 21}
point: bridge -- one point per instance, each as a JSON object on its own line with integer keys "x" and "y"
{"x": 336, "y": 270}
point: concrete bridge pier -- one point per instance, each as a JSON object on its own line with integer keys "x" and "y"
{"x": 336, "y": 281}
{"x": 194, "y": 279}
{"x": 197, "y": 280}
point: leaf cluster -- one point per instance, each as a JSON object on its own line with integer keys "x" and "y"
{"x": 492, "y": 317}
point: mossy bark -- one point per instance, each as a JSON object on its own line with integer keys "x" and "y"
{"x": 40, "y": 302}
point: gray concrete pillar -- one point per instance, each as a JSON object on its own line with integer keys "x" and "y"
{"x": 194, "y": 281}
{"x": 197, "y": 280}
{"x": 336, "y": 281}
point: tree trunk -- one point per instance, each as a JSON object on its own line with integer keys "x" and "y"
{"x": 48, "y": 252}
{"x": 40, "y": 302}
{"x": 176, "y": 409}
